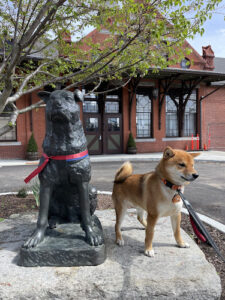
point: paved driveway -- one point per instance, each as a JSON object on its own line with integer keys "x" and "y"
{"x": 207, "y": 193}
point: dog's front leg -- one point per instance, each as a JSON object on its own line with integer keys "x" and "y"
{"x": 175, "y": 221}
{"x": 149, "y": 233}
{"x": 42, "y": 223}
{"x": 92, "y": 237}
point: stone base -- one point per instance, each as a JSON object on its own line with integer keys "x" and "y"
{"x": 126, "y": 274}
{"x": 65, "y": 246}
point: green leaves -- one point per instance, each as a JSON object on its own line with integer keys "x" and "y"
{"x": 132, "y": 37}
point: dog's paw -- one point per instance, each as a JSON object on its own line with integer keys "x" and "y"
{"x": 120, "y": 242}
{"x": 184, "y": 245}
{"x": 150, "y": 253}
{"x": 36, "y": 238}
{"x": 93, "y": 238}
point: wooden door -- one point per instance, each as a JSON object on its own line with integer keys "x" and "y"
{"x": 93, "y": 132}
{"x": 112, "y": 133}
{"x": 92, "y": 123}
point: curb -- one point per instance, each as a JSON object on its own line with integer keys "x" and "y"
{"x": 213, "y": 223}
{"x": 109, "y": 160}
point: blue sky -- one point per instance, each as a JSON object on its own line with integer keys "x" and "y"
{"x": 214, "y": 34}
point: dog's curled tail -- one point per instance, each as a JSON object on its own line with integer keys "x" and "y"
{"x": 124, "y": 171}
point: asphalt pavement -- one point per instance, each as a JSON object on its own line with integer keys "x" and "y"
{"x": 206, "y": 194}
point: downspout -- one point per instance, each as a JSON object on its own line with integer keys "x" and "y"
{"x": 200, "y": 123}
{"x": 31, "y": 114}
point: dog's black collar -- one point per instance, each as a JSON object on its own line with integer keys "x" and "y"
{"x": 171, "y": 185}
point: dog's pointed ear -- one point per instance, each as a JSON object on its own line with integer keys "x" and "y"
{"x": 44, "y": 95}
{"x": 78, "y": 96}
{"x": 168, "y": 152}
{"x": 194, "y": 154}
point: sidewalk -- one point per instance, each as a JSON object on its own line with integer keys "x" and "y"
{"x": 205, "y": 156}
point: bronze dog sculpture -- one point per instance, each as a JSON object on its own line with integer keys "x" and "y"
{"x": 65, "y": 167}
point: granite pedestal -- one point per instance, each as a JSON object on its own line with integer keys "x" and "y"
{"x": 65, "y": 246}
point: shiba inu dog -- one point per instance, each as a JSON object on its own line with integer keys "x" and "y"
{"x": 154, "y": 192}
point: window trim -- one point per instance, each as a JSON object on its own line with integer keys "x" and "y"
{"x": 8, "y": 143}
{"x": 145, "y": 92}
{"x": 196, "y": 118}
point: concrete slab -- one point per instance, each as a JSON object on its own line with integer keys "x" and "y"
{"x": 173, "y": 273}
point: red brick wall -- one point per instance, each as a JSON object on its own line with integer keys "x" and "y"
{"x": 38, "y": 123}
{"x": 213, "y": 121}
{"x": 213, "y": 118}
{"x": 26, "y": 123}
{"x": 16, "y": 152}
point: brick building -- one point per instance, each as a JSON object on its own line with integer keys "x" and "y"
{"x": 164, "y": 108}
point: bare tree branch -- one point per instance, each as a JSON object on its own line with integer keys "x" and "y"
{"x": 11, "y": 123}
{"x": 37, "y": 24}
{"x": 114, "y": 89}
{"x": 26, "y": 80}
{"x": 17, "y": 22}
{"x": 31, "y": 107}
{"x": 33, "y": 9}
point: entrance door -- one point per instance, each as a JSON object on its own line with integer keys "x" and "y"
{"x": 93, "y": 132}
{"x": 112, "y": 125}
{"x": 103, "y": 124}
{"x": 112, "y": 133}
{"x": 92, "y": 125}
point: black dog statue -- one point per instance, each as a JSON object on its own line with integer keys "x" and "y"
{"x": 64, "y": 169}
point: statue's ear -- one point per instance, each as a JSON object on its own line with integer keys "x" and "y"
{"x": 44, "y": 96}
{"x": 78, "y": 96}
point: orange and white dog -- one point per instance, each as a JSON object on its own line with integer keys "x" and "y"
{"x": 154, "y": 192}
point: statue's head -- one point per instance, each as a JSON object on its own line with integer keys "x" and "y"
{"x": 62, "y": 105}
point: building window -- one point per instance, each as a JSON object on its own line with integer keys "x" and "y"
{"x": 90, "y": 106}
{"x": 112, "y": 107}
{"x": 171, "y": 118}
{"x": 189, "y": 118}
{"x": 92, "y": 124}
{"x": 4, "y": 119}
{"x": 143, "y": 115}
{"x": 185, "y": 63}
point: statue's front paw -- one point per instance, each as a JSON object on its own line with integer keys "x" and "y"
{"x": 36, "y": 238}
{"x": 93, "y": 238}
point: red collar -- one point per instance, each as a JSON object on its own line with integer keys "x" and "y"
{"x": 176, "y": 198}
{"x": 171, "y": 185}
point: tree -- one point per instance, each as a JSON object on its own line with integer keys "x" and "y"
{"x": 36, "y": 49}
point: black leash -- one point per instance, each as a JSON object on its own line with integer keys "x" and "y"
{"x": 198, "y": 223}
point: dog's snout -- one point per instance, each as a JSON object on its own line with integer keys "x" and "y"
{"x": 195, "y": 175}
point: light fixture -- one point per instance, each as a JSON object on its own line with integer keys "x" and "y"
{"x": 155, "y": 93}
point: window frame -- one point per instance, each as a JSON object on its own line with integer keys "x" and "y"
{"x": 145, "y": 92}
{"x": 8, "y": 140}
{"x": 195, "y": 91}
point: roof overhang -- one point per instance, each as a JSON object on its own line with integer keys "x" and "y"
{"x": 205, "y": 76}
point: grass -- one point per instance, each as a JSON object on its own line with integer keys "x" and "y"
{"x": 1, "y": 219}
